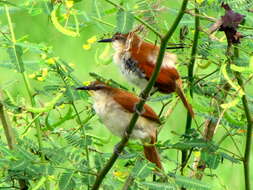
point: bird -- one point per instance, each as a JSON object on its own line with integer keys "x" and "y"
{"x": 115, "y": 108}
{"x": 137, "y": 59}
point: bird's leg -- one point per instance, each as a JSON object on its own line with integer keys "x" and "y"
{"x": 138, "y": 111}
{"x": 116, "y": 149}
{"x": 154, "y": 90}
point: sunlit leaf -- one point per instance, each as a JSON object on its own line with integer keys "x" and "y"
{"x": 125, "y": 21}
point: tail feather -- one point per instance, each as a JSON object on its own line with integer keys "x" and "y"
{"x": 152, "y": 154}
{"x": 183, "y": 98}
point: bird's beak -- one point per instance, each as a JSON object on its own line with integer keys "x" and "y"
{"x": 176, "y": 47}
{"x": 106, "y": 40}
{"x": 85, "y": 88}
{"x": 90, "y": 89}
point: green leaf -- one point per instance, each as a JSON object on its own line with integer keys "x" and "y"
{"x": 48, "y": 106}
{"x": 40, "y": 183}
{"x": 109, "y": 82}
{"x": 241, "y": 69}
{"x": 189, "y": 183}
{"x": 142, "y": 169}
{"x": 234, "y": 120}
{"x": 96, "y": 9}
{"x": 195, "y": 143}
{"x": 67, "y": 181}
{"x": 19, "y": 165}
{"x": 125, "y": 21}
{"x": 15, "y": 54}
{"x": 212, "y": 160}
{"x": 33, "y": 47}
{"x": 158, "y": 186}
{"x": 230, "y": 158}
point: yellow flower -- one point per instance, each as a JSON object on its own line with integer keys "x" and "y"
{"x": 120, "y": 174}
{"x": 197, "y": 154}
{"x": 43, "y": 56}
{"x": 136, "y": 6}
{"x": 62, "y": 106}
{"x": 86, "y": 46}
{"x": 72, "y": 64}
{"x": 51, "y": 61}
{"x": 92, "y": 40}
{"x": 44, "y": 72}
{"x": 86, "y": 83}
{"x": 40, "y": 79}
{"x": 199, "y": 1}
{"x": 69, "y": 3}
{"x": 242, "y": 131}
{"x": 222, "y": 39}
{"x": 65, "y": 16}
{"x": 32, "y": 76}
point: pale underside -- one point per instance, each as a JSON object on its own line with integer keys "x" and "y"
{"x": 116, "y": 118}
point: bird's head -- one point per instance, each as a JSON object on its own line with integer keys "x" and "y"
{"x": 121, "y": 41}
{"x": 97, "y": 88}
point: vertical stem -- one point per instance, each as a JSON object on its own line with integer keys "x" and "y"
{"x": 24, "y": 77}
{"x": 191, "y": 79}
{"x": 10, "y": 138}
{"x": 246, "y": 160}
{"x": 27, "y": 86}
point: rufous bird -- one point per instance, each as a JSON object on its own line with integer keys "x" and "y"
{"x": 115, "y": 108}
{"x": 137, "y": 58}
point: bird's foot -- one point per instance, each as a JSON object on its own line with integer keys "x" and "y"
{"x": 116, "y": 149}
{"x": 138, "y": 111}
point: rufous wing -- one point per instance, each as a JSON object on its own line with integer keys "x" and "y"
{"x": 128, "y": 101}
{"x": 165, "y": 81}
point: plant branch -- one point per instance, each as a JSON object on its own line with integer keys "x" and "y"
{"x": 7, "y": 128}
{"x": 10, "y": 137}
{"x": 144, "y": 95}
{"x": 191, "y": 79}
{"x": 246, "y": 160}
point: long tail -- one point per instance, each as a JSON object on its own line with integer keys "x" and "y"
{"x": 180, "y": 93}
{"x": 152, "y": 154}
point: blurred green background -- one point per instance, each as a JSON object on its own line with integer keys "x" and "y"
{"x": 32, "y": 23}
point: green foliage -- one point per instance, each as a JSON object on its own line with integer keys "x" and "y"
{"x": 189, "y": 183}
{"x": 61, "y": 144}
{"x": 125, "y": 21}
{"x": 15, "y": 54}
{"x": 67, "y": 181}
{"x": 158, "y": 186}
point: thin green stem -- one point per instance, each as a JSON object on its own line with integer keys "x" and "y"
{"x": 191, "y": 79}
{"x": 60, "y": 72}
{"x": 26, "y": 82}
{"x": 144, "y": 95}
{"x": 246, "y": 160}
{"x": 151, "y": 28}
{"x": 24, "y": 77}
